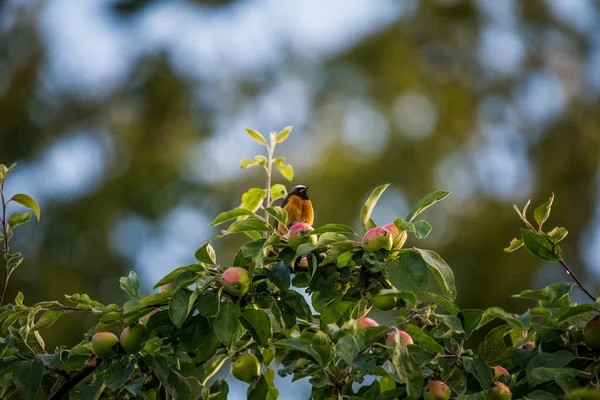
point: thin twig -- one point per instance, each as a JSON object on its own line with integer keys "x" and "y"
{"x": 89, "y": 368}
{"x": 269, "y": 168}
{"x": 6, "y": 248}
{"x": 579, "y": 285}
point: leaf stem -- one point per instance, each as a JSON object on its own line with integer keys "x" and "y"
{"x": 579, "y": 285}
{"x": 6, "y": 247}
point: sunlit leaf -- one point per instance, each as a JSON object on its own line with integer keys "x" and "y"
{"x": 278, "y": 191}
{"x": 367, "y": 208}
{"x": 28, "y": 202}
{"x": 542, "y": 213}
{"x": 206, "y": 254}
{"x": 231, "y": 214}
{"x": 281, "y": 136}
{"x": 285, "y": 170}
{"x": 427, "y": 202}
{"x": 256, "y": 136}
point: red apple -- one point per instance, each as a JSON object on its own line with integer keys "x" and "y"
{"x": 499, "y": 391}
{"x": 236, "y": 281}
{"x": 398, "y": 237}
{"x": 499, "y": 371}
{"x": 298, "y": 235}
{"x": 436, "y": 390}
{"x": 363, "y": 323}
{"x": 391, "y": 339}
{"x": 104, "y": 344}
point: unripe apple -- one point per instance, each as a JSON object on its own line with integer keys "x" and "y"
{"x": 499, "y": 391}
{"x": 436, "y": 390}
{"x": 499, "y": 371}
{"x": 391, "y": 339}
{"x": 321, "y": 339}
{"x": 104, "y": 344}
{"x": 236, "y": 281}
{"x": 298, "y": 235}
{"x": 376, "y": 239}
{"x": 131, "y": 338}
{"x": 144, "y": 320}
{"x": 363, "y": 323}
{"x": 398, "y": 237}
{"x": 246, "y": 368}
{"x": 303, "y": 262}
{"x": 591, "y": 333}
{"x": 384, "y": 299}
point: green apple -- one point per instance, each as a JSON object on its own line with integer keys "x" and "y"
{"x": 246, "y": 368}
{"x": 236, "y": 281}
{"x": 499, "y": 391}
{"x": 404, "y": 336}
{"x": 377, "y": 239}
{"x": 104, "y": 344}
{"x": 384, "y": 299}
{"x": 591, "y": 333}
{"x": 132, "y": 338}
{"x": 299, "y": 235}
{"x": 436, "y": 390}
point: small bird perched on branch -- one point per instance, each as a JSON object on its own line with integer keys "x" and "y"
{"x": 298, "y": 207}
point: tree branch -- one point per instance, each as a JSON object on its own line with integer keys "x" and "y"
{"x": 90, "y": 366}
{"x": 5, "y": 238}
{"x": 579, "y": 285}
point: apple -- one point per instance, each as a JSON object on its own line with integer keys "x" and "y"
{"x": 391, "y": 339}
{"x": 131, "y": 338}
{"x": 144, "y": 320}
{"x": 303, "y": 262}
{"x": 499, "y": 371}
{"x": 377, "y": 238}
{"x": 398, "y": 237}
{"x": 320, "y": 339}
{"x": 436, "y": 390}
{"x": 527, "y": 345}
{"x": 591, "y": 333}
{"x": 499, "y": 391}
{"x": 236, "y": 281}
{"x": 246, "y": 368}
{"x": 104, "y": 344}
{"x": 298, "y": 235}
{"x": 363, "y": 323}
{"x": 384, "y": 299}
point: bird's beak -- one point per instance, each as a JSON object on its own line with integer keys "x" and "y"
{"x": 306, "y": 189}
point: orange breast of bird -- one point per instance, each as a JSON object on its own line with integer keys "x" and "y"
{"x": 299, "y": 210}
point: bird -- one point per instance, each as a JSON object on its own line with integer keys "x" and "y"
{"x": 298, "y": 207}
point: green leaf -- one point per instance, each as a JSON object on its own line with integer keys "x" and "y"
{"x": 27, "y": 377}
{"x": 408, "y": 273}
{"x": 331, "y": 238}
{"x": 470, "y": 319}
{"x": 219, "y": 390}
{"x": 17, "y": 219}
{"x": 447, "y": 304}
{"x": 558, "y": 234}
{"x": 173, "y": 275}
{"x": 427, "y": 202}
{"x": 257, "y": 161}
{"x": 540, "y": 246}
{"x": 248, "y": 225}
{"x": 208, "y": 304}
{"x": 258, "y": 390}
{"x": 278, "y": 213}
{"x": 281, "y": 136}
{"x": 576, "y": 311}
{"x": 135, "y": 387}
{"x": 298, "y": 305}
{"x": 422, "y": 229}
{"x": 131, "y": 284}
{"x": 403, "y": 225}
{"x": 492, "y": 349}
{"x": 279, "y": 274}
{"x": 515, "y": 244}
{"x": 180, "y": 305}
{"x": 212, "y": 366}
{"x": 553, "y": 296}
{"x": 206, "y": 254}
{"x": 284, "y": 169}
{"x": 367, "y": 208}
{"x": 226, "y": 324}
{"x": 423, "y": 339}
{"x": 253, "y": 199}
{"x": 441, "y": 271}
{"x": 47, "y": 319}
{"x": 117, "y": 374}
{"x": 347, "y": 348}
{"x": 409, "y": 372}
{"x": 542, "y": 213}
{"x": 231, "y": 214}
{"x": 332, "y": 228}
{"x": 3, "y": 172}
{"x": 258, "y": 324}
{"x": 583, "y": 394}
{"x": 278, "y": 191}
{"x": 295, "y": 344}
{"x": 479, "y": 369}
{"x": 256, "y": 136}
{"x": 558, "y": 359}
{"x": 451, "y": 321}
{"x": 543, "y": 374}
{"x": 28, "y": 202}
